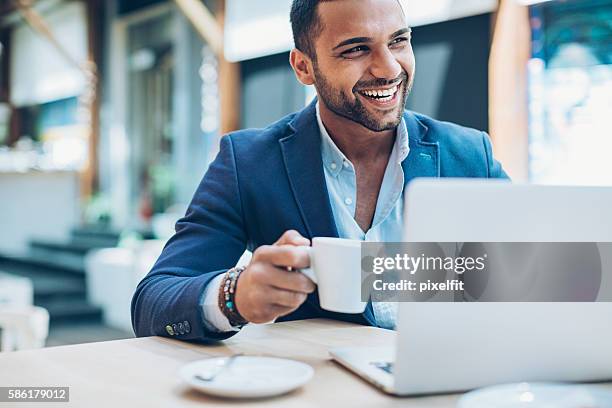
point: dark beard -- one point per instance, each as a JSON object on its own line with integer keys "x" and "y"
{"x": 352, "y": 108}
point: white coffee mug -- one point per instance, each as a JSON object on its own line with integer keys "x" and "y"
{"x": 335, "y": 266}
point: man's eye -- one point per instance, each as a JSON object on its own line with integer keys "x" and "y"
{"x": 352, "y": 52}
{"x": 399, "y": 40}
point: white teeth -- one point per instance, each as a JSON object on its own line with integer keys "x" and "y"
{"x": 382, "y": 94}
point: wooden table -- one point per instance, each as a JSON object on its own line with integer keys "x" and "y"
{"x": 142, "y": 372}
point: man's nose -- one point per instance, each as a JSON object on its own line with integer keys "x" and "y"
{"x": 385, "y": 65}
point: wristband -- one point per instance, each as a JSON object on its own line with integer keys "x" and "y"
{"x": 227, "y": 294}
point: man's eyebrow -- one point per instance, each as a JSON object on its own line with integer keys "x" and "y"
{"x": 400, "y": 32}
{"x": 354, "y": 40}
{"x": 360, "y": 40}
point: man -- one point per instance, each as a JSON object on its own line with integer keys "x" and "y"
{"x": 337, "y": 168}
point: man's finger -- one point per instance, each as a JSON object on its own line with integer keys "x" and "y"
{"x": 286, "y": 298}
{"x": 285, "y": 256}
{"x": 290, "y": 280}
{"x": 292, "y": 237}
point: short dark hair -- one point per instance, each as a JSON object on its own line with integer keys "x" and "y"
{"x": 306, "y": 25}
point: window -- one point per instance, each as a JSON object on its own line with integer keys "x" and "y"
{"x": 570, "y": 93}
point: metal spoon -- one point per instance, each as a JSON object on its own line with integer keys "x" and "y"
{"x": 221, "y": 366}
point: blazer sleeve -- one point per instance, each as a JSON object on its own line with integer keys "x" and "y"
{"x": 209, "y": 239}
{"x": 494, "y": 168}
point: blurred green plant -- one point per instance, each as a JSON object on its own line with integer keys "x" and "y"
{"x": 162, "y": 187}
{"x": 98, "y": 210}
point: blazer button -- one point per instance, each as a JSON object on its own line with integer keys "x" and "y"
{"x": 187, "y": 327}
{"x": 170, "y": 330}
{"x": 181, "y": 329}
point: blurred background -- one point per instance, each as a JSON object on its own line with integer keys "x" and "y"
{"x": 111, "y": 111}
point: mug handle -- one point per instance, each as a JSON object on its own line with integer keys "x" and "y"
{"x": 309, "y": 272}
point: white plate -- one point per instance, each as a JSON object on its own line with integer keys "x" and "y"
{"x": 248, "y": 376}
{"x": 538, "y": 395}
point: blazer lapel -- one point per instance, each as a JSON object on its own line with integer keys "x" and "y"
{"x": 423, "y": 159}
{"x": 302, "y": 157}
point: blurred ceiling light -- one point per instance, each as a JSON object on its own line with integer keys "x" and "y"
{"x": 419, "y": 12}
{"x": 258, "y": 37}
{"x": 142, "y": 59}
{"x": 574, "y": 55}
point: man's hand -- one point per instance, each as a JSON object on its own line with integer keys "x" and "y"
{"x": 266, "y": 289}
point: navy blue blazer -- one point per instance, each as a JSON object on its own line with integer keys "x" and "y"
{"x": 262, "y": 183}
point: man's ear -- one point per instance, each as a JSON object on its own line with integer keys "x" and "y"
{"x": 302, "y": 66}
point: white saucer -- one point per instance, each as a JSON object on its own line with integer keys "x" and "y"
{"x": 538, "y": 395}
{"x": 248, "y": 376}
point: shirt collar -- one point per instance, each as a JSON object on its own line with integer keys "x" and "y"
{"x": 334, "y": 159}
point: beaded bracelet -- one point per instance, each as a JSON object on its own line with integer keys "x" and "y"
{"x": 227, "y": 292}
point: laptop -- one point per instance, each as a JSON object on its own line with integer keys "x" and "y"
{"x": 452, "y": 347}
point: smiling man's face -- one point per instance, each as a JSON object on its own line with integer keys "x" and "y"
{"x": 364, "y": 65}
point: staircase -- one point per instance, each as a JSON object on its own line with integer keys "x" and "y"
{"x": 57, "y": 272}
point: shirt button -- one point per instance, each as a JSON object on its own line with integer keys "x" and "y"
{"x": 333, "y": 166}
{"x": 170, "y": 330}
{"x": 348, "y": 201}
{"x": 346, "y": 164}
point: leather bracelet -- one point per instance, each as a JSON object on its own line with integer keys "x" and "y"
{"x": 227, "y": 294}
